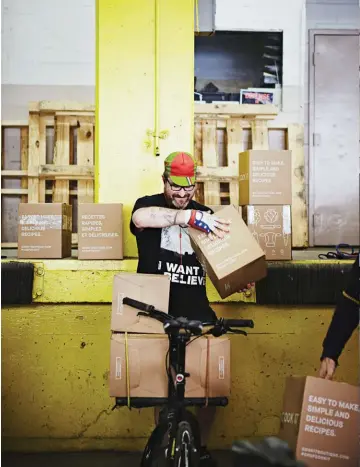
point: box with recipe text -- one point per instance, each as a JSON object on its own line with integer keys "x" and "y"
{"x": 44, "y": 230}
{"x": 100, "y": 233}
{"x": 265, "y": 177}
{"x": 233, "y": 261}
{"x": 320, "y": 421}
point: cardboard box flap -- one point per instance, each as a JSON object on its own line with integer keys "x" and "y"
{"x": 152, "y": 289}
{"x": 142, "y": 287}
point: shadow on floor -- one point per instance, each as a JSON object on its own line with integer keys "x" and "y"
{"x": 87, "y": 459}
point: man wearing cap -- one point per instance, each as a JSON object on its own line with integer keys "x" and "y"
{"x": 160, "y": 224}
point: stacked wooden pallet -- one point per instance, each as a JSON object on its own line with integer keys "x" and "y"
{"x": 58, "y": 172}
{"x": 64, "y": 172}
{"x": 222, "y": 131}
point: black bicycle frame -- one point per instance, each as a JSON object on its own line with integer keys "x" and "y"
{"x": 177, "y": 377}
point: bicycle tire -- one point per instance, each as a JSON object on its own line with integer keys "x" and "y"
{"x": 185, "y": 456}
{"x": 154, "y": 454}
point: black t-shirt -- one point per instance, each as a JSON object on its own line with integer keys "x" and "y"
{"x": 168, "y": 251}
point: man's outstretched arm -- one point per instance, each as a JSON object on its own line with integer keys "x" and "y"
{"x": 157, "y": 218}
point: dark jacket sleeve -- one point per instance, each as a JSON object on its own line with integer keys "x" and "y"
{"x": 345, "y": 318}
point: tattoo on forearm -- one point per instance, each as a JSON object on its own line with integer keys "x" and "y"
{"x": 170, "y": 217}
{"x": 153, "y": 215}
{"x": 160, "y": 216}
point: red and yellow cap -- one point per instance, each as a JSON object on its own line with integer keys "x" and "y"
{"x": 180, "y": 168}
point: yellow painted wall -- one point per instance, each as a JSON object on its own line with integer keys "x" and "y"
{"x": 55, "y": 376}
{"x": 74, "y": 281}
{"x": 126, "y": 169}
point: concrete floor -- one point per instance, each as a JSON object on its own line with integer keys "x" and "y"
{"x": 88, "y": 459}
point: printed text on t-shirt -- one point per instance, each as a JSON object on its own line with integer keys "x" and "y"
{"x": 187, "y": 275}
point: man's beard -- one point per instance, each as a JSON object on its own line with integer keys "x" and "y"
{"x": 179, "y": 202}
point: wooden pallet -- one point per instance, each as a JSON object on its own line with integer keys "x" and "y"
{"x": 220, "y": 137}
{"x": 72, "y": 161}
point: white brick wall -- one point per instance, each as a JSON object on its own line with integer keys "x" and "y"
{"x": 48, "y": 42}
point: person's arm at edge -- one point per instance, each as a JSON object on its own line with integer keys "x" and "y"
{"x": 344, "y": 322}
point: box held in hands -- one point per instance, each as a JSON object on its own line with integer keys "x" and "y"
{"x": 233, "y": 261}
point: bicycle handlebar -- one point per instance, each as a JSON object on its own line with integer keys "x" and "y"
{"x": 220, "y": 326}
{"x": 139, "y": 305}
{"x": 239, "y": 323}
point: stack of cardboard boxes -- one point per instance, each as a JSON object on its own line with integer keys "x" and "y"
{"x": 265, "y": 197}
{"x": 44, "y": 231}
{"x": 139, "y": 347}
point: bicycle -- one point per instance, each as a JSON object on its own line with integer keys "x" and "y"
{"x": 175, "y": 441}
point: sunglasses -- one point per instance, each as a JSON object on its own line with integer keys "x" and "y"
{"x": 179, "y": 188}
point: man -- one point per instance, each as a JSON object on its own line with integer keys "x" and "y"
{"x": 160, "y": 224}
{"x": 344, "y": 322}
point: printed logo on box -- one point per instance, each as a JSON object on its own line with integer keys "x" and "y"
{"x": 221, "y": 368}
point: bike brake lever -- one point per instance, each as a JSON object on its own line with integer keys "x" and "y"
{"x": 143, "y": 313}
{"x": 238, "y": 331}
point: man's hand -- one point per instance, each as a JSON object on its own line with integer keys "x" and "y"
{"x": 208, "y": 223}
{"x": 327, "y": 368}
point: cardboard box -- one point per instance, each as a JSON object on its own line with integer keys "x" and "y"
{"x": 265, "y": 177}
{"x": 320, "y": 421}
{"x": 100, "y": 228}
{"x": 209, "y": 377}
{"x": 44, "y": 230}
{"x": 152, "y": 289}
{"x": 233, "y": 261}
{"x": 146, "y": 376}
{"x": 218, "y": 207}
{"x": 271, "y": 228}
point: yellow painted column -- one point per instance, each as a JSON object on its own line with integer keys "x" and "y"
{"x": 126, "y": 42}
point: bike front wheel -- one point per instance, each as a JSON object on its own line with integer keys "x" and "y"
{"x": 186, "y": 454}
{"x": 183, "y": 449}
